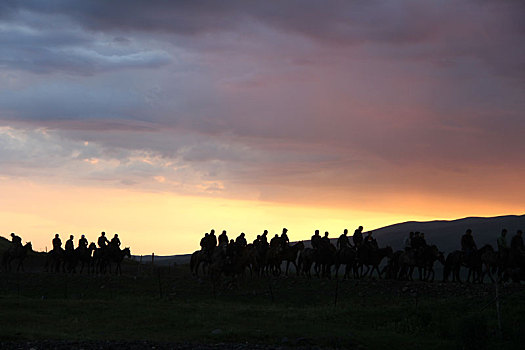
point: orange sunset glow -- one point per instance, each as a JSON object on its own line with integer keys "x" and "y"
{"x": 245, "y": 119}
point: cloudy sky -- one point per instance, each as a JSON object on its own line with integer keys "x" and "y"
{"x": 162, "y": 119}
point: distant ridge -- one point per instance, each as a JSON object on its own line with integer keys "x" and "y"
{"x": 446, "y": 234}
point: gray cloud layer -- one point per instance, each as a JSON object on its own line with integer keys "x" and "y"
{"x": 240, "y": 96}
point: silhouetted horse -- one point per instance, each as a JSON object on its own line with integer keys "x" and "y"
{"x": 84, "y": 256}
{"x": 371, "y": 258}
{"x": 116, "y": 256}
{"x": 55, "y": 261}
{"x": 324, "y": 258}
{"x": 198, "y": 258}
{"x": 346, "y": 256}
{"x": 305, "y": 261}
{"x": 104, "y": 257}
{"x": 489, "y": 262}
{"x": 289, "y": 254}
{"x": 273, "y": 260}
{"x": 425, "y": 258}
{"x": 406, "y": 261}
{"x": 474, "y": 263}
{"x": 244, "y": 258}
{"x": 16, "y": 253}
{"x": 452, "y": 265}
{"x": 393, "y": 268}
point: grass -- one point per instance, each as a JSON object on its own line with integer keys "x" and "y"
{"x": 169, "y": 305}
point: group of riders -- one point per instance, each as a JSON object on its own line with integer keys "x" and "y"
{"x": 359, "y": 249}
{"x": 265, "y": 253}
{"x": 67, "y": 258}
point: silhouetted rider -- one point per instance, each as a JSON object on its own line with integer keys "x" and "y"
{"x": 325, "y": 241}
{"x": 102, "y": 240}
{"x": 358, "y": 236}
{"x": 502, "y": 241}
{"x": 467, "y": 244}
{"x": 16, "y": 240}
{"x": 316, "y": 240}
{"x": 285, "y": 241}
{"x": 371, "y": 241}
{"x": 57, "y": 243}
{"x": 241, "y": 241}
{"x": 83, "y": 242}
{"x": 264, "y": 239}
{"x": 223, "y": 238}
{"x": 69, "y": 244}
{"x": 212, "y": 240}
{"x": 115, "y": 242}
{"x": 204, "y": 241}
{"x": 342, "y": 241}
{"x": 275, "y": 241}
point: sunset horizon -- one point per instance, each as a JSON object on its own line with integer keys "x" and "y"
{"x": 162, "y": 120}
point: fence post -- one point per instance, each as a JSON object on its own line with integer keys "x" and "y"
{"x": 498, "y": 311}
{"x": 152, "y": 261}
{"x": 160, "y": 284}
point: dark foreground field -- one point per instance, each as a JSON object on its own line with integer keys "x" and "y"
{"x": 168, "y": 308}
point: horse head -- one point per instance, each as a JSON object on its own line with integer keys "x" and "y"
{"x": 29, "y": 246}
{"x": 127, "y": 252}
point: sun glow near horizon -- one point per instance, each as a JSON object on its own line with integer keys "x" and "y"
{"x": 166, "y": 223}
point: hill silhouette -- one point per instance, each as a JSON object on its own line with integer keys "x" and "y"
{"x": 447, "y": 234}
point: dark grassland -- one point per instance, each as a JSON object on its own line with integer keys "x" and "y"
{"x": 169, "y": 305}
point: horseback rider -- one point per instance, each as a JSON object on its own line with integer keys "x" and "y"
{"x": 115, "y": 242}
{"x": 342, "y": 241}
{"x": 285, "y": 241}
{"x": 102, "y": 240}
{"x": 502, "y": 241}
{"x": 83, "y": 242}
{"x": 358, "y": 236}
{"x": 316, "y": 240}
{"x": 240, "y": 241}
{"x": 325, "y": 241}
{"x": 264, "y": 239}
{"x": 212, "y": 241}
{"x": 468, "y": 246}
{"x": 204, "y": 241}
{"x": 16, "y": 240}
{"x": 371, "y": 241}
{"x": 223, "y": 238}
{"x": 69, "y": 247}
{"x": 232, "y": 250}
{"x": 57, "y": 243}
{"x": 275, "y": 241}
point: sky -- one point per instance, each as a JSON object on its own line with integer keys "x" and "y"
{"x": 159, "y": 120}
